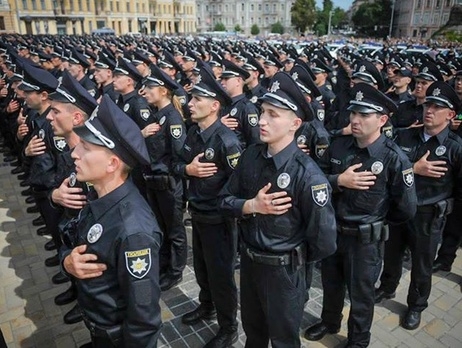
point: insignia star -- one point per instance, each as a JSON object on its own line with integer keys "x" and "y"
{"x": 295, "y": 75}
{"x": 359, "y": 96}
{"x": 425, "y": 70}
{"x": 176, "y": 132}
{"x": 409, "y": 179}
{"x": 61, "y": 143}
{"x": 274, "y": 87}
{"x": 139, "y": 266}
{"x": 362, "y": 68}
{"x": 436, "y": 92}
{"x": 198, "y": 79}
{"x": 234, "y": 162}
{"x": 321, "y": 196}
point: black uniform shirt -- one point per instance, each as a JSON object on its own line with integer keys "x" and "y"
{"x": 408, "y": 112}
{"x": 328, "y": 95}
{"x": 445, "y": 146}
{"x": 122, "y": 231}
{"x": 315, "y": 136}
{"x": 311, "y": 218}
{"x": 221, "y": 146}
{"x": 136, "y": 107}
{"x": 90, "y": 86}
{"x": 400, "y": 98}
{"x": 109, "y": 90}
{"x": 392, "y": 196}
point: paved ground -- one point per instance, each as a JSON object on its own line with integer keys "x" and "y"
{"x": 29, "y": 317}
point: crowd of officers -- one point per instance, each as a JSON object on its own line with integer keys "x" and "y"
{"x": 284, "y": 158}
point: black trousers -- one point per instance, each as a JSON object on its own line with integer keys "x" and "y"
{"x": 214, "y": 255}
{"x": 51, "y": 215}
{"x": 272, "y": 300}
{"x": 422, "y": 234}
{"x": 452, "y": 239}
{"x": 356, "y": 266}
{"x": 167, "y": 206}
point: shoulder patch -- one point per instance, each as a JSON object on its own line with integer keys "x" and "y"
{"x": 320, "y": 194}
{"x": 138, "y": 262}
{"x": 320, "y": 149}
{"x": 233, "y": 159}
{"x": 320, "y": 115}
{"x": 253, "y": 119}
{"x": 388, "y": 131}
{"x": 408, "y": 177}
{"x": 145, "y": 113}
{"x": 60, "y": 143}
{"x": 176, "y": 131}
{"x": 92, "y": 92}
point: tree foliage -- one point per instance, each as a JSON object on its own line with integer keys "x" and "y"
{"x": 303, "y": 14}
{"x": 254, "y": 30}
{"x": 237, "y": 28}
{"x": 373, "y": 19}
{"x": 219, "y": 27}
{"x": 277, "y": 28}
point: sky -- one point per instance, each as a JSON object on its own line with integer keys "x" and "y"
{"x": 345, "y": 4}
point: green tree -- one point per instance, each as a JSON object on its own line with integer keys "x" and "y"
{"x": 219, "y": 27}
{"x": 277, "y": 28}
{"x": 254, "y": 30}
{"x": 373, "y": 19}
{"x": 303, "y": 14}
{"x": 237, "y": 28}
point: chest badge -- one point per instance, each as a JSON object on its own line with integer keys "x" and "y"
{"x": 94, "y": 233}
{"x": 126, "y": 107}
{"x": 41, "y": 134}
{"x": 283, "y": 180}
{"x": 233, "y": 112}
{"x": 320, "y": 115}
{"x": 320, "y": 194}
{"x": 162, "y": 120}
{"x": 72, "y": 179}
{"x": 209, "y": 153}
{"x": 138, "y": 262}
{"x": 440, "y": 150}
{"x": 377, "y": 168}
{"x": 301, "y": 140}
{"x": 254, "y": 99}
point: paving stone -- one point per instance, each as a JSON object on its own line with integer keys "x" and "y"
{"x": 436, "y": 328}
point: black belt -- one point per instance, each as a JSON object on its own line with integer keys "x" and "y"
{"x": 348, "y": 231}
{"x": 296, "y": 257}
{"x": 96, "y": 331}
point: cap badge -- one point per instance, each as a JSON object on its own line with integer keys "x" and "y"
{"x": 283, "y": 180}
{"x": 359, "y": 96}
{"x": 198, "y": 79}
{"x": 72, "y": 179}
{"x": 425, "y": 70}
{"x": 209, "y": 153}
{"x": 295, "y": 75}
{"x": 94, "y": 233}
{"x": 126, "y": 107}
{"x": 440, "y": 150}
{"x": 275, "y": 87}
{"x": 362, "y": 68}
{"x": 436, "y": 92}
{"x": 377, "y": 167}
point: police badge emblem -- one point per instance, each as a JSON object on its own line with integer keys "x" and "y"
{"x": 283, "y": 180}
{"x": 253, "y": 119}
{"x": 72, "y": 179}
{"x": 440, "y": 150}
{"x": 254, "y": 99}
{"x": 126, "y": 107}
{"x": 233, "y": 159}
{"x": 176, "y": 131}
{"x": 41, "y": 134}
{"x": 162, "y": 120}
{"x": 320, "y": 149}
{"x": 144, "y": 113}
{"x": 92, "y": 92}
{"x": 233, "y": 112}
{"x": 60, "y": 143}
{"x": 94, "y": 233}
{"x": 377, "y": 167}
{"x": 138, "y": 262}
{"x": 388, "y": 131}
{"x": 320, "y": 194}
{"x": 320, "y": 115}
{"x": 182, "y": 100}
{"x": 301, "y": 140}
{"x": 408, "y": 177}
{"x": 209, "y": 153}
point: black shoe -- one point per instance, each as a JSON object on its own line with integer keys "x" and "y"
{"x": 73, "y": 316}
{"x": 59, "y": 278}
{"x": 43, "y": 231}
{"x": 168, "y": 282}
{"x": 223, "y": 339}
{"x": 33, "y": 210}
{"x": 17, "y": 170}
{"x": 50, "y": 245}
{"x": 319, "y": 330}
{"x": 201, "y": 312}
{"x": 15, "y": 164}
{"x": 40, "y": 221}
{"x": 66, "y": 297}
{"x": 24, "y": 183}
{"x": 411, "y": 320}
{"x": 26, "y": 192}
{"x": 30, "y": 200}
{"x": 23, "y": 176}
{"x": 381, "y": 295}
{"x": 52, "y": 261}
{"x": 439, "y": 266}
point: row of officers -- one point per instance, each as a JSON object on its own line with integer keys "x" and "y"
{"x": 264, "y": 177}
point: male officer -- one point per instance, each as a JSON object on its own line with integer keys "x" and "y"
{"x": 321, "y": 70}
{"x": 103, "y": 76}
{"x": 365, "y": 170}
{"x": 282, "y": 201}
{"x": 78, "y": 65}
{"x": 401, "y": 81}
{"x": 436, "y": 153}
{"x": 242, "y": 111}
{"x": 115, "y": 254}
{"x": 210, "y": 153}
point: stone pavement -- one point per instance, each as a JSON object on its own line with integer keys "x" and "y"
{"x": 29, "y": 317}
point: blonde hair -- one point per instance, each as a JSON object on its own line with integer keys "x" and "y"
{"x": 175, "y": 101}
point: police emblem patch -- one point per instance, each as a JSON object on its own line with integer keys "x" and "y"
{"x": 138, "y": 262}
{"x": 233, "y": 112}
{"x": 301, "y": 140}
{"x": 233, "y": 159}
{"x": 440, "y": 150}
{"x": 275, "y": 87}
{"x": 72, "y": 179}
{"x": 377, "y": 167}
{"x": 176, "y": 131}
{"x": 60, "y": 143}
{"x": 182, "y": 100}
{"x": 253, "y": 119}
{"x": 145, "y": 113}
{"x": 320, "y": 115}
{"x": 92, "y": 92}
{"x": 162, "y": 120}
{"x": 41, "y": 134}
{"x": 126, "y": 107}
{"x": 388, "y": 131}
{"x": 283, "y": 180}
{"x": 209, "y": 153}
{"x": 320, "y": 149}
{"x": 94, "y": 233}
{"x": 254, "y": 99}
{"x": 320, "y": 194}
{"x": 408, "y": 177}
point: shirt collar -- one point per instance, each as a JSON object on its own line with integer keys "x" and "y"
{"x": 207, "y": 133}
{"x": 237, "y": 98}
{"x": 281, "y": 158}
{"x": 441, "y": 136}
{"x": 129, "y": 95}
{"x": 101, "y": 205}
{"x": 374, "y": 148}
{"x": 164, "y": 111}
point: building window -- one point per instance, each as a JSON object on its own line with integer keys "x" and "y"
{"x": 2, "y": 23}
{"x": 414, "y": 33}
{"x": 419, "y": 3}
{"x": 117, "y": 7}
{"x": 80, "y": 5}
{"x": 242, "y": 6}
{"x": 24, "y": 4}
{"x": 252, "y": 7}
{"x": 128, "y": 10}
{"x": 88, "y": 8}
{"x": 282, "y": 7}
{"x": 259, "y": 7}
{"x": 266, "y": 8}
{"x": 429, "y": 3}
{"x": 137, "y": 7}
{"x": 43, "y": 5}
{"x": 438, "y": 3}
{"x": 34, "y": 5}
{"x": 226, "y": 8}
{"x": 274, "y": 8}
{"x": 448, "y": 3}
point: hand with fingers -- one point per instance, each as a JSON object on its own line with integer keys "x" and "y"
{"x": 229, "y": 122}
{"x": 275, "y": 203}
{"x": 35, "y": 147}
{"x": 304, "y": 148}
{"x": 432, "y": 169}
{"x": 201, "y": 169}
{"x": 83, "y": 266}
{"x": 356, "y": 180}
{"x": 69, "y": 197}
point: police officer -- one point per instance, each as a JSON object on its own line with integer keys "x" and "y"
{"x": 365, "y": 170}
{"x": 322, "y": 71}
{"x": 164, "y": 139}
{"x": 401, "y": 80}
{"x": 78, "y": 65}
{"x": 115, "y": 255}
{"x": 282, "y": 201}
{"x": 436, "y": 154}
{"x": 255, "y": 89}
{"x": 210, "y": 154}
{"x": 104, "y": 67}
{"x": 242, "y": 115}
